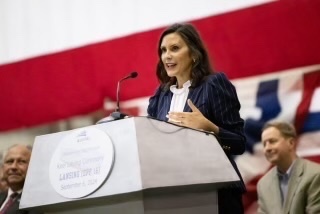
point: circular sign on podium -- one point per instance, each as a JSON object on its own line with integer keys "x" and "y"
{"x": 82, "y": 161}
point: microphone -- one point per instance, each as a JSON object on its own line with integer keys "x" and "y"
{"x": 116, "y": 115}
{"x": 133, "y": 74}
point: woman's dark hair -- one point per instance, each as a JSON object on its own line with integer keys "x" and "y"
{"x": 201, "y": 67}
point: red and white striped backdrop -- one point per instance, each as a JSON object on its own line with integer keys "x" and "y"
{"x": 63, "y": 58}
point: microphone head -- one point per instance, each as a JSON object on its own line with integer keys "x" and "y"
{"x": 134, "y": 74}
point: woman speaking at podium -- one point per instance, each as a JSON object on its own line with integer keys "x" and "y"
{"x": 191, "y": 94}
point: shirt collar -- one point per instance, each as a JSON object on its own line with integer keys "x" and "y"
{"x": 185, "y": 86}
{"x": 287, "y": 173}
{"x": 10, "y": 191}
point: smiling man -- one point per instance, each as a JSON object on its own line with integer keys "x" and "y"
{"x": 15, "y": 166}
{"x": 293, "y": 184}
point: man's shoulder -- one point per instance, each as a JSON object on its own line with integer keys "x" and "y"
{"x": 266, "y": 179}
{"x": 310, "y": 166}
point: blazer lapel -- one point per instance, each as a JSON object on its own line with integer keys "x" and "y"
{"x": 194, "y": 96}
{"x": 164, "y": 106}
{"x": 294, "y": 180}
{"x": 14, "y": 207}
{"x": 275, "y": 193}
{"x": 3, "y": 197}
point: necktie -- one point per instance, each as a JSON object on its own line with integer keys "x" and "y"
{"x": 11, "y": 200}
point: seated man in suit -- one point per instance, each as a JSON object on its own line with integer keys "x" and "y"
{"x": 15, "y": 166}
{"x": 293, "y": 184}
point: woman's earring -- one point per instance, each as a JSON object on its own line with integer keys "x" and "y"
{"x": 194, "y": 60}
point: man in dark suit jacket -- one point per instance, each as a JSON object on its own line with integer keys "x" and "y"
{"x": 15, "y": 166}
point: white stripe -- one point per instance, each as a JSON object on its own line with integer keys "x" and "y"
{"x": 289, "y": 93}
{"x": 277, "y": 74}
{"x": 315, "y": 104}
{"x": 36, "y": 27}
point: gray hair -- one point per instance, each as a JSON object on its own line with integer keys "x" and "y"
{"x": 4, "y": 153}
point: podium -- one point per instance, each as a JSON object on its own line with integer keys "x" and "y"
{"x": 136, "y": 165}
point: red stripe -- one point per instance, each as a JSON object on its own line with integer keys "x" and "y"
{"x": 311, "y": 82}
{"x": 74, "y": 82}
{"x": 267, "y": 38}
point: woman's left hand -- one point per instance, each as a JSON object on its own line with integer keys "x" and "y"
{"x": 194, "y": 119}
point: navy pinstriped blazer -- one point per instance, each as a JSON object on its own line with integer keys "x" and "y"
{"x": 217, "y": 100}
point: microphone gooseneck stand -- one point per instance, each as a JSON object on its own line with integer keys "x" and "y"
{"x": 117, "y": 115}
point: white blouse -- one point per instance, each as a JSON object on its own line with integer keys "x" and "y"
{"x": 179, "y": 97}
